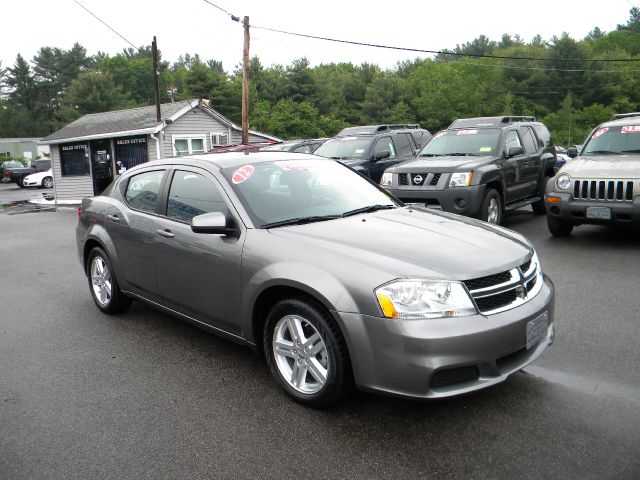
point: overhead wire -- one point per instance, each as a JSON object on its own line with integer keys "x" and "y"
{"x": 105, "y": 23}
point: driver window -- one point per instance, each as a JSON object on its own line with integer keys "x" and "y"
{"x": 382, "y": 144}
{"x": 192, "y": 194}
{"x": 512, "y": 140}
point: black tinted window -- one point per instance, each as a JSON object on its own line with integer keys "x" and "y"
{"x": 143, "y": 190}
{"x": 191, "y": 195}
{"x": 405, "y": 148}
{"x": 382, "y": 144}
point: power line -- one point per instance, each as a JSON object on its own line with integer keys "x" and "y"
{"x": 235, "y": 18}
{"x": 104, "y": 23}
{"x": 542, "y": 69}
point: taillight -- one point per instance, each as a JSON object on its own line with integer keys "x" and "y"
{"x": 79, "y": 213}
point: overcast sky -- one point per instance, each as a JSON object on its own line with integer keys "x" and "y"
{"x": 193, "y": 26}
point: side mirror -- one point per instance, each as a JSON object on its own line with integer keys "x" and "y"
{"x": 572, "y": 152}
{"x": 513, "y": 151}
{"x": 212, "y": 222}
{"x": 382, "y": 154}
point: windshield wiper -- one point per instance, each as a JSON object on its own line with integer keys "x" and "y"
{"x": 631, "y": 151}
{"x": 367, "y": 209}
{"x": 300, "y": 220}
{"x": 432, "y": 155}
{"x": 458, "y": 154}
{"x": 602, "y": 152}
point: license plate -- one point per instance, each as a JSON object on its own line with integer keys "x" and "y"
{"x": 537, "y": 330}
{"x": 601, "y": 213}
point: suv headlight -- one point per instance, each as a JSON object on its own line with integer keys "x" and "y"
{"x": 386, "y": 179}
{"x": 418, "y": 299}
{"x": 563, "y": 181}
{"x": 462, "y": 179}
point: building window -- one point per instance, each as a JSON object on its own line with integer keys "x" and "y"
{"x": 129, "y": 152}
{"x": 74, "y": 159}
{"x": 188, "y": 145}
{"x": 219, "y": 139}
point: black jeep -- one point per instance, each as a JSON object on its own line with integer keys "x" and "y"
{"x": 371, "y": 149}
{"x": 479, "y": 167}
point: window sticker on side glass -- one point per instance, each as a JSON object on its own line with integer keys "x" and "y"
{"x": 485, "y": 149}
{"x": 631, "y": 129}
{"x": 602, "y": 131}
{"x": 358, "y": 150}
{"x": 467, "y": 132}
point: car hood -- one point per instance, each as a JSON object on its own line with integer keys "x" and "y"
{"x": 440, "y": 164}
{"x": 604, "y": 166}
{"x": 406, "y": 242}
{"x": 38, "y": 176}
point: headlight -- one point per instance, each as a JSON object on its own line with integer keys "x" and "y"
{"x": 385, "y": 181}
{"x": 563, "y": 181}
{"x": 462, "y": 179}
{"x": 417, "y": 299}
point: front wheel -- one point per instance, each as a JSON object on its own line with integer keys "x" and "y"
{"x": 559, "y": 228}
{"x": 491, "y": 208}
{"x": 306, "y": 353}
{"x": 47, "y": 182}
{"x": 103, "y": 284}
{"x": 20, "y": 182}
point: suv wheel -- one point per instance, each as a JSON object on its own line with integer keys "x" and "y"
{"x": 559, "y": 228}
{"x": 306, "y": 353}
{"x": 491, "y": 209}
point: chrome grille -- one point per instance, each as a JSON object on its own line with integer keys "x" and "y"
{"x": 504, "y": 290}
{"x": 608, "y": 190}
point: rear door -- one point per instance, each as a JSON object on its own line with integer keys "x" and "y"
{"x": 532, "y": 165}
{"x": 377, "y": 167}
{"x": 198, "y": 274}
{"x": 514, "y": 166}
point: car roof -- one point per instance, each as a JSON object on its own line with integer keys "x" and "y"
{"x": 622, "y": 121}
{"x": 232, "y": 159}
{"x": 376, "y": 129}
{"x": 490, "y": 121}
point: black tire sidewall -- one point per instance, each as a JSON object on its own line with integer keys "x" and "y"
{"x": 484, "y": 209}
{"x": 558, "y": 227}
{"x": 339, "y": 373}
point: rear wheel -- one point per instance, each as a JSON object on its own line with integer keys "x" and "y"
{"x": 491, "y": 208}
{"x": 103, "y": 284}
{"x": 558, "y": 227}
{"x": 47, "y": 182}
{"x": 306, "y": 353}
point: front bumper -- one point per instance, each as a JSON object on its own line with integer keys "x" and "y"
{"x": 437, "y": 358}
{"x": 460, "y": 200}
{"x": 575, "y": 211}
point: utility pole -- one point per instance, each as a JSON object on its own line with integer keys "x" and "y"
{"x": 245, "y": 83}
{"x": 156, "y": 74}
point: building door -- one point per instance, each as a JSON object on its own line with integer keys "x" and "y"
{"x": 101, "y": 165}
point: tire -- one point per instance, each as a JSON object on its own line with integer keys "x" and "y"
{"x": 491, "y": 208}
{"x": 103, "y": 284}
{"x": 20, "y": 182}
{"x": 559, "y": 228}
{"x": 47, "y": 182}
{"x": 539, "y": 207}
{"x": 319, "y": 377}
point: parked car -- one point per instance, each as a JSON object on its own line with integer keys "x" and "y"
{"x": 561, "y": 156}
{"x": 8, "y": 164}
{"x": 322, "y": 271}
{"x": 40, "y": 179}
{"x": 602, "y": 184}
{"x": 17, "y": 174}
{"x": 295, "y": 146}
{"x": 242, "y": 147}
{"x": 479, "y": 167}
{"x": 371, "y": 149}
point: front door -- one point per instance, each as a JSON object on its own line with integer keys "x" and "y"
{"x": 101, "y": 165}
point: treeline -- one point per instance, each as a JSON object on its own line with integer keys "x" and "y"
{"x": 561, "y": 82}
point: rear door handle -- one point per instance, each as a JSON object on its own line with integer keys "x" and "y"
{"x": 166, "y": 233}
{"x": 113, "y": 218}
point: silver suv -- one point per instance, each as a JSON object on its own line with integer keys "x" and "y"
{"x": 602, "y": 184}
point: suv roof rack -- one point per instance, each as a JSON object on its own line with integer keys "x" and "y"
{"x": 490, "y": 121}
{"x": 618, "y": 116}
{"x": 373, "y": 129}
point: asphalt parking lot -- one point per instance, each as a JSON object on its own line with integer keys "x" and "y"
{"x": 141, "y": 395}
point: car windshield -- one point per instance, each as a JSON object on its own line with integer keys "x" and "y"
{"x": 278, "y": 147}
{"x": 302, "y": 191}
{"x": 613, "y": 141}
{"x": 475, "y": 142}
{"x": 344, "y": 148}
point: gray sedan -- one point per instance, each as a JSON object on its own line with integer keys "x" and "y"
{"x": 329, "y": 277}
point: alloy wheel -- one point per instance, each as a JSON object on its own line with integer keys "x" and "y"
{"x": 493, "y": 211}
{"x": 101, "y": 282}
{"x": 300, "y": 353}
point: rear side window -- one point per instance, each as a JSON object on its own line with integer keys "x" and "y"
{"x": 405, "y": 148}
{"x": 530, "y": 144}
{"x": 143, "y": 190}
{"x": 192, "y": 194}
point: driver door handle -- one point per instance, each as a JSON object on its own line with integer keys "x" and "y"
{"x": 166, "y": 233}
{"x": 113, "y": 218}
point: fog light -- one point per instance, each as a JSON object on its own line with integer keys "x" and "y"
{"x": 461, "y": 202}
